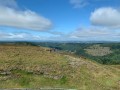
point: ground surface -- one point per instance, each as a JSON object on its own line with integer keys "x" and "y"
{"x": 35, "y": 67}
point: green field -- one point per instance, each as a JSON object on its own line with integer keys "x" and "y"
{"x": 26, "y": 66}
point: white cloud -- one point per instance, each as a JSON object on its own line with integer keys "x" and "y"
{"x": 108, "y": 16}
{"x": 4, "y": 35}
{"x": 81, "y": 34}
{"x": 90, "y": 32}
{"x": 95, "y": 33}
{"x": 19, "y": 36}
{"x": 8, "y": 3}
{"x": 107, "y": 26}
{"x": 23, "y": 19}
{"x": 17, "y": 18}
{"x": 78, "y": 3}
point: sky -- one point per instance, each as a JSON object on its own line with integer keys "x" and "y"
{"x": 59, "y": 20}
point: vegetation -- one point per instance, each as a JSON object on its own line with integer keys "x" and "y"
{"x": 26, "y": 66}
{"x": 104, "y": 53}
{"x": 97, "y": 50}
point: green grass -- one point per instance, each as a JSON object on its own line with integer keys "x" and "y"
{"x": 36, "y": 67}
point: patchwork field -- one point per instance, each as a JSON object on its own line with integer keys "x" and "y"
{"x": 25, "y": 66}
{"x": 97, "y": 50}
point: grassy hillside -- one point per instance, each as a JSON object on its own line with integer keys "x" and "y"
{"x": 104, "y": 53}
{"x": 25, "y": 66}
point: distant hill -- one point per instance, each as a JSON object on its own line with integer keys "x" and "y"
{"x": 104, "y": 53}
{"x": 26, "y": 66}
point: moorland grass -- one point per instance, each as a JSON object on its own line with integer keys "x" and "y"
{"x": 37, "y": 67}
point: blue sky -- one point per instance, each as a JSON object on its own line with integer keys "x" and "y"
{"x": 60, "y": 20}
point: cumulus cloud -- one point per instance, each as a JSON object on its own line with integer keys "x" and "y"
{"x": 105, "y": 26}
{"x": 78, "y": 3}
{"x": 108, "y": 16}
{"x": 25, "y": 19}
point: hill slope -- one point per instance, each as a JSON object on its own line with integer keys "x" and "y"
{"x": 103, "y": 53}
{"x": 37, "y": 67}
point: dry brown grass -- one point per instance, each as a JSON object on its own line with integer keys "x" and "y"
{"x": 36, "y": 67}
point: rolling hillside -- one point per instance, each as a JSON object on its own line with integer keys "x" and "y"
{"x": 103, "y": 53}
{"x": 25, "y": 66}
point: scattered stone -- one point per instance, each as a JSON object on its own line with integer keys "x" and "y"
{"x": 5, "y": 73}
